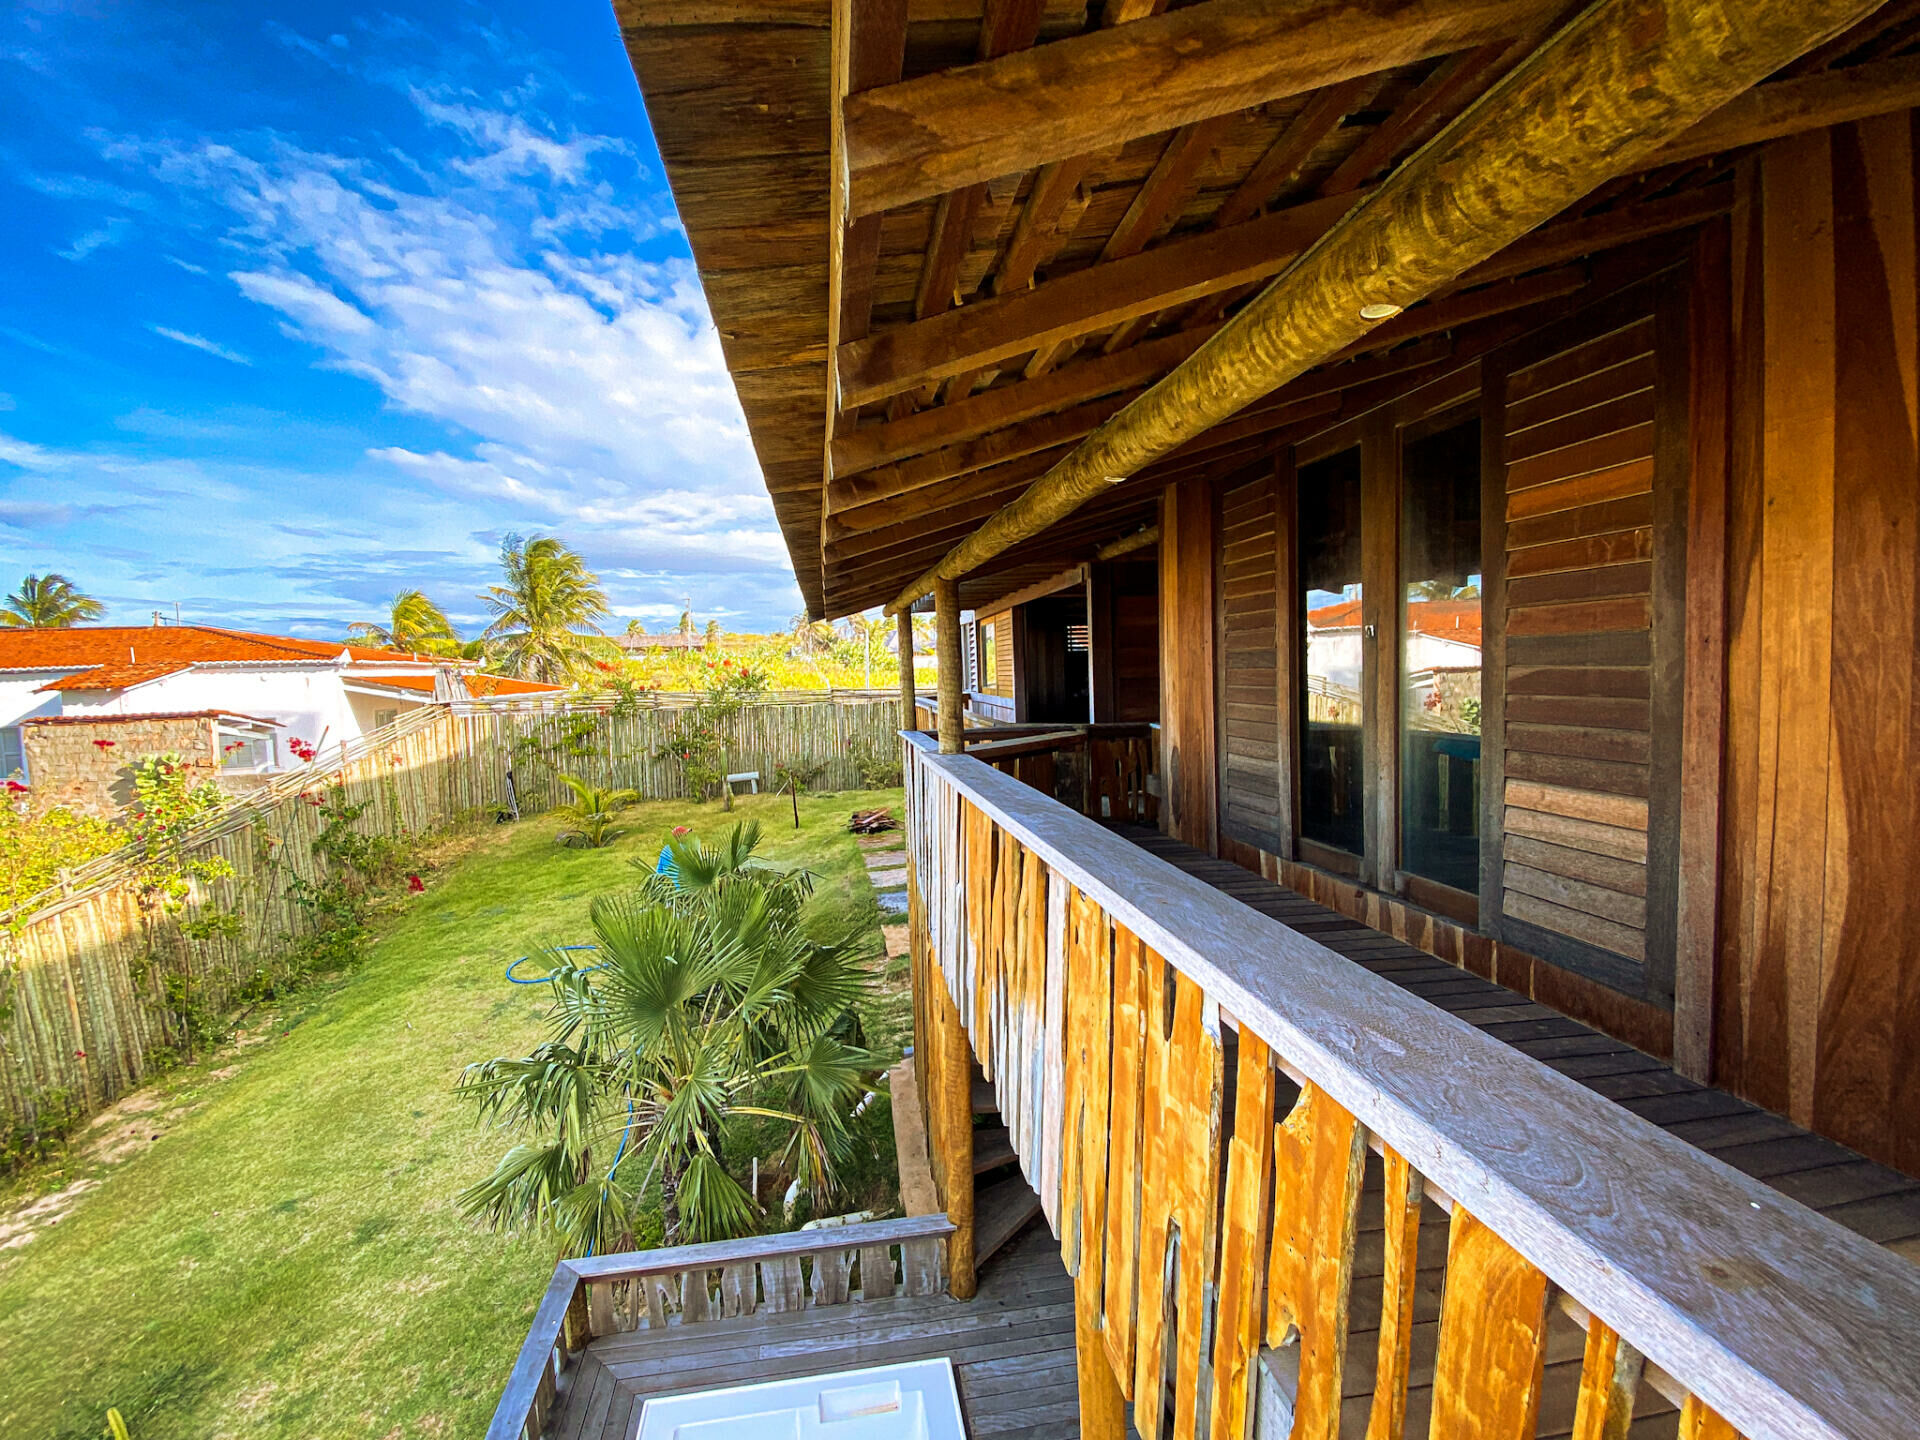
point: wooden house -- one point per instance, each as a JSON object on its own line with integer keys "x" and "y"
{"x": 1431, "y": 491}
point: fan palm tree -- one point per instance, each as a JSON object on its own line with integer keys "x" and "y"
{"x": 48, "y": 602}
{"x": 414, "y": 624}
{"x": 705, "y": 1003}
{"x": 547, "y": 598}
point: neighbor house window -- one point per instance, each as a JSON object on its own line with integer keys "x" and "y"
{"x": 242, "y": 751}
{"x": 13, "y": 754}
{"x": 989, "y": 655}
{"x": 384, "y": 717}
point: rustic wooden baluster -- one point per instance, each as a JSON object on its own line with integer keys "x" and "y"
{"x": 1083, "y": 1106}
{"x": 876, "y": 1272}
{"x": 783, "y": 1286}
{"x": 920, "y": 1267}
{"x": 600, "y": 1308}
{"x": 1239, "y": 1315}
{"x": 830, "y": 1278}
{"x": 1122, "y": 1238}
{"x": 1698, "y": 1422}
{"x": 660, "y": 1295}
{"x": 1181, "y": 1164}
{"x": 737, "y": 1293}
{"x": 1493, "y": 1337}
{"x": 1400, "y": 1213}
{"x": 1319, "y": 1156}
{"x": 1609, "y": 1377}
{"x": 696, "y": 1301}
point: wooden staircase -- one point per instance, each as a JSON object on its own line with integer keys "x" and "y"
{"x": 1003, "y": 1206}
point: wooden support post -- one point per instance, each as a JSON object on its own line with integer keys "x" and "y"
{"x": 1103, "y": 1409}
{"x": 904, "y": 645}
{"x": 946, "y": 617}
{"x": 952, "y": 1104}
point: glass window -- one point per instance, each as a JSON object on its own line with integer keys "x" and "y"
{"x": 1440, "y": 657}
{"x": 1332, "y": 772}
{"x": 13, "y": 755}
{"x": 989, "y": 657}
{"x": 240, "y": 750}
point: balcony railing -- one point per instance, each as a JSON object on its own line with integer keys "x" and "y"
{"x": 690, "y": 1285}
{"x": 1145, "y": 1034}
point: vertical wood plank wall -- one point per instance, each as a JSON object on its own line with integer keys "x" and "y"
{"x": 1186, "y": 665}
{"x": 1817, "y": 983}
{"x": 1253, "y": 787}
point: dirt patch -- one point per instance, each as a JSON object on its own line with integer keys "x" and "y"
{"x": 896, "y": 938}
{"x": 23, "y": 1225}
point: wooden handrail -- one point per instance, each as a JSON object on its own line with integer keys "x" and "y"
{"x": 530, "y": 1384}
{"x": 1782, "y": 1322}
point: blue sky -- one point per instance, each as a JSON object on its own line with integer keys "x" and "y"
{"x": 305, "y": 306}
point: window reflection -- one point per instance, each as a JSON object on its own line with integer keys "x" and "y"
{"x": 1332, "y": 772}
{"x": 1440, "y": 657}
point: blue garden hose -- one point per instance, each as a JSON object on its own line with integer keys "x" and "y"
{"x": 545, "y": 978}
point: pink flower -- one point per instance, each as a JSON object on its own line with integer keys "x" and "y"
{"x": 680, "y": 830}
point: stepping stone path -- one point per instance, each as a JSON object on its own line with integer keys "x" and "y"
{"x": 886, "y": 857}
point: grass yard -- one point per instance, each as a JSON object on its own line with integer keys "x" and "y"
{"x": 284, "y": 1259}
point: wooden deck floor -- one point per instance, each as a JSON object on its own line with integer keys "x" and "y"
{"x": 1877, "y": 1202}
{"x": 1011, "y": 1345}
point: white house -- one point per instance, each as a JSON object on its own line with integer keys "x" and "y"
{"x": 275, "y": 695}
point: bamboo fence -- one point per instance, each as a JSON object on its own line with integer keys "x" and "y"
{"x": 83, "y": 1009}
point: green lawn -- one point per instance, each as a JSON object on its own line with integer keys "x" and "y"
{"x": 285, "y": 1259}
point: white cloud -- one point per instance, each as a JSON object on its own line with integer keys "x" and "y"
{"x": 200, "y": 342}
{"x": 592, "y": 384}
{"x": 111, "y": 233}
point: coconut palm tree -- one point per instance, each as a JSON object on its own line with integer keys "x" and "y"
{"x": 869, "y": 631}
{"x": 413, "y": 623}
{"x": 702, "y": 1002}
{"x": 48, "y": 602}
{"x": 547, "y": 599}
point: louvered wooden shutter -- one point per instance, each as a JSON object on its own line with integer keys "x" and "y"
{"x": 1579, "y": 449}
{"x": 1250, "y": 729}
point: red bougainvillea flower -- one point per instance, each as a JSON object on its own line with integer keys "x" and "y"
{"x": 14, "y": 787}
{"x": 79, "y": 1054}
{"x": 415, "y": 885}
{"x": 103, "y": 744}
{"x": 680, "y": 830}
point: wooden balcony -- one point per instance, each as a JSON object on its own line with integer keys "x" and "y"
{"x": 1283, "y": 1179}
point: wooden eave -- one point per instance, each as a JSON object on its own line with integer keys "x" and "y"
{"x": 937, "y": 294}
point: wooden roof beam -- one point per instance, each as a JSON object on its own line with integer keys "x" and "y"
{"x": 1085, "y": 93}
{"x": 1096, "y": 298}
{"x": 858, "y": 450}
{"x": 1812, "y": 102}
{"x": 1595, "y": 101}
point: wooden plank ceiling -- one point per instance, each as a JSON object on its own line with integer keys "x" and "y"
{"x": 982, "y": 330}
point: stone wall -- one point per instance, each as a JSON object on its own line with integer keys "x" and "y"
{"x": 87, "y": 765}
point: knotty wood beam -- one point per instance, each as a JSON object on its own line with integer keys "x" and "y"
{"x": 1092, "y": 299}
{"x": 926, "y": 136}
{"x": 1596, "y": 101}
{"x": 1054, "y": 206}
{"x": 1787, "y": 107}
